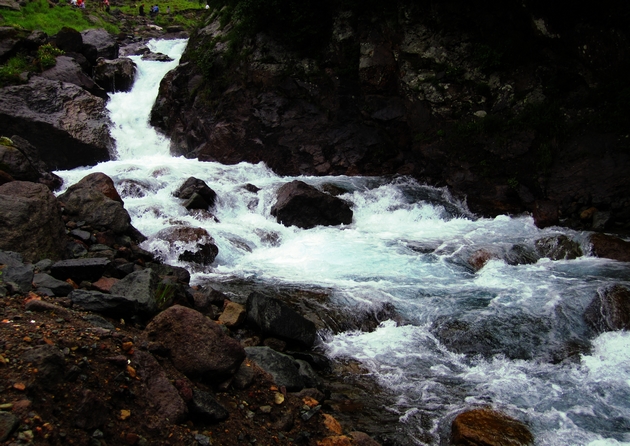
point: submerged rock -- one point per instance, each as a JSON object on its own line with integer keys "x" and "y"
{"x": 609, "y": 310}
{"x": 193, "y": 244}
{"x": 489, "y": 428}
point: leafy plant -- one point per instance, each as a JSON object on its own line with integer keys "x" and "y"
{"x": 164, "y": 295}
{"x": 10, "y": 72}
{"x": 46, "y": 56}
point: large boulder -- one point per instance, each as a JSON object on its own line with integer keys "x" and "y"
{"x": 68, "y": 70}
{"x": 190, "y": 244}
{"x": 30, "y": 221}
{"x": 558, "y": 247}
{"x": 609, "y": 310}
{"x": 610, "y": 247}
{"x": 68, "y": 125}
{"x": 94, "y": 200}
{"x": 21, "y": 161}
{"x": 275, "y": 318}
{"x": 301, "y": 205}
{"x": 105, "y": 44}
{"x": 196, "y": 345}
{"x": 141, "y": 287}
{"x": 489, "y": 428}
{"x": 115, "y": 75}
{"x": 90, "y": 269}
{"x": 104, "y": 303}
{"x": 193, "y": 186}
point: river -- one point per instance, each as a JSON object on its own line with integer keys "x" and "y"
{"x": 407, "y": 246}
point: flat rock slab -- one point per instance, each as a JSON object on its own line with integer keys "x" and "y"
{"x": 80, "y": 269}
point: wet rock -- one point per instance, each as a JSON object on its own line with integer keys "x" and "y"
{"x": 107, "y": 304}
{"x": 139, "y": 287}
{"x": 363, "y": 439}
{"x": 115, "y": 75}
{"x": 206, "y": 408}
{"x": 8, "y": 424}
{"x": 197, "y": 193}
{"x": 58, "y": 287}
{"x": 301, "y": 205}
{"x": 479, "y": 258}
{"x": 244, "y": 376}
{"x": 196, "y": 345}
{"x": 94, "y": 200}
{"x": 157, "y": 57}
{"x": 31, "y": 221}
{"x": 521, "y": 255}
{"x": 609, "y": 310}
{"x": 276, "y": 319}
{"x": 69, "y": 40}
{"x": 80, "y": 269}
{"x": 68, "y": 70}
{"x": 20, "y": 160}
{"x": 105, "y": 44}
{"x": 558, "y": 247}
{"x": 49, "y": 362}
{"x": 283, "y": 368}
{"x": 488, "y": 427}
{"x": 159, "y": 391}
{"x": 309, "y": 377}
{"x": 68, "y": 125}
{"x": 233, "y": 315}
{"x": 610, "y": 247}
{"x": 198, "y": 245}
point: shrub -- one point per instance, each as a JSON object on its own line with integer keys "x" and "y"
{"x": 47, "y": 56}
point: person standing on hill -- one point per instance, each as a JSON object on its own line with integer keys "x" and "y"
{"x": 141, "y": 10}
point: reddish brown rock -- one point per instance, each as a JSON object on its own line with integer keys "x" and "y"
{"x": 479, "y": 258}
{"x": 104, "y": 284}
{"x": 610, "y": 247}
{"x": 545, "y": 213}
{"x": 196, "y": 345}
{"x": 485, "y": 427}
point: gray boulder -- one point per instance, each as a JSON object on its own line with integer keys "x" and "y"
{"x": 274, "y": 318}
{"x": 68, "y": 125}
{"x": 283, "y": 368}
{"x": 304, "y": 206}
{"x": 58, "y": 287}
{"x": 20, "y": 159}
{"x": 196, "y": 345}
{"x": 558, "y": 247}
{"x": 105, "y": 44}
{"x": 30, "y": 221}
{"x": 19, "y": 276}
{"x": 140, "y": 287}
{"x": 68, "y": 70}
{"x": 115, "y": 75}
{"x": 94, "y": 200}
{"x": 107, "y": 304}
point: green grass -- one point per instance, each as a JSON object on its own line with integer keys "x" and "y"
{"x": 39, "y": 15}
{"x": 10, "y": 71}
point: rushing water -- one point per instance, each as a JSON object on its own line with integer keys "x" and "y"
{"x": 407, "y": 246}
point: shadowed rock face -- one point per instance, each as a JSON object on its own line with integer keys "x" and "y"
{"x": 68, "y": 125}
{"x": 30, "y": 221}
{"x": 475, "y": 95}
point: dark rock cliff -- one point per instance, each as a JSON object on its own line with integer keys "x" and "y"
{"x": 505, "y": 102}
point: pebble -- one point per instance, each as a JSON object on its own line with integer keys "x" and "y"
{"x": 203, "y": 440}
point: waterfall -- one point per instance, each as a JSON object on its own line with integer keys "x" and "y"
{"x": 407, "y": 247}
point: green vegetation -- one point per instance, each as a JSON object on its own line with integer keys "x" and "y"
{"x": 11, "y": 72}
{"x": 40, "y": 15}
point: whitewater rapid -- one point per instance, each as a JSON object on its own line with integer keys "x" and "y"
{"x": 406, "y": 246}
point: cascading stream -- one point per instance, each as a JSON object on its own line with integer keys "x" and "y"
{"x": 407, "y": 246}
